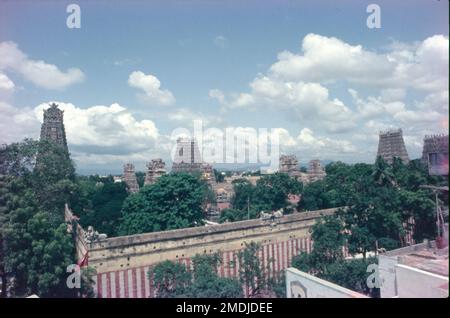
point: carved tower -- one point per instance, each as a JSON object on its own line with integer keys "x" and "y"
{"x": 129, "y": 177}
{"x": 391, "y": 145}
{"x": 52, "y": 128}
{"x": 155, "y": 169}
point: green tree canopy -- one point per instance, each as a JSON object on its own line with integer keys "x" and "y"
{"x": 174, "y": 201}
{"x": 99, "y": 203}
{"x": 174, "y": 280}
{"x": 269, "y": 194}
{"x": 36, "y": 247}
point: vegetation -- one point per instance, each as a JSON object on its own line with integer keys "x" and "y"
{"x": 377, "y": 204}
{"x": 269, "y": 194}
{"x": 35, "y": 250}
{"x": 254, "y": 277}
{"x": 219, "y": 176}
{"x": 99, "y": 203}
{"x": 174, "y": 201}
{"x": 174, "y": 280}
{"x": 380, "y": 200}
{"x": 327, "y": 261}
{"x": 140, "y": 178}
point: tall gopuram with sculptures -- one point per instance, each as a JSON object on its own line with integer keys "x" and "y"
{"x": 188, "y": 158}
{"x": 52, "y": 128}
{"x": 129, "y": 177}
{"x": 155, "y": 169}
{"x": 391, "y": 145}
{"x": 435, "y": 154}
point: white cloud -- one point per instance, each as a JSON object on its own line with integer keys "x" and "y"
{"x": 38, "y": 72}
{"x": 406, "y": 86}
{"x": 327, "y": 59}
{"x": 5, "y": 83}
{"x": 218, "y": 95}
{"x": 323, "y": 145}
{"x": 104, "y": 129}
{"x": 392, "y": 94}
{"x": 17, "y": 123}
{"x": 151, "y": 86}
{"x": 298, "y": 100}
{"x": 330, "y": 59}
{"x": 376, "y": 106}
{"x": 186, "y": 116}
{"x": 220, "y": 41}
{"x": 97, "y": 130}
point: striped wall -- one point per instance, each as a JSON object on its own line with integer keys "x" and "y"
{"x": 134, "y": 282}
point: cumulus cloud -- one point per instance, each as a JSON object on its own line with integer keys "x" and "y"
{"x": 17, "y": 123}
{"x": 102, "y": 134}
{"x": 328, "y": 59}
{"x": 404, "y": 85}
{"x": 5, "y": 83}
{"x": 104, "y": 129}
{"x": 151, "y": 86}
{"x": 38, "y": 72}
{"x": 376, "y": 106}
{"x": 298, "y": 100}
{"x": 308, "y": 141}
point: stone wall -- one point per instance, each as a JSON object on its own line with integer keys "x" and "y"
{"x": 122, "y": 263}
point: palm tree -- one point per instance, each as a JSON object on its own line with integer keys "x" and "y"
{"x": 382, "y": 172}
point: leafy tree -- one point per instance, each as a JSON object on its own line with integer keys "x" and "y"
{"x": 140, "y": 177}
{"x": 233, "y": 215}
{"x": 102, "y": 204}
{"x": 174, "y": 201}
{"x": 53, "y": 178}
{"x": 251, "y": 273}
{"x": 37, "y": 248}
{"x": 327, "y": 235}
{"x": 381, "y": 199}
{"x": 208, "y": 284}
{"x": 382, "y": 173}
{"x": 277, "y": 284}
{"x": 219, "y": 176}
{"x": 171, "y": 279}
{"x": 328, "y": 239}
{"x": 271, "y": 191}
{"x": 314, "y": 197}
{"x": 243, "y": 194}
{"x": 326, "y": 260}
{"x": 352, "y": 274}
{"x": 254, "y": 276}
{"x": 3, "y": 223}
{"x": 269, "y": 194}
{"x": 39, "y": 254}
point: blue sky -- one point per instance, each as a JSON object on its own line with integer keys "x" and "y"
{"x": 194, "y": 48}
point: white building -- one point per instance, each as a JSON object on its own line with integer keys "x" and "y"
{"x": 303, "y": 285}
{"x": 417, "y": 271}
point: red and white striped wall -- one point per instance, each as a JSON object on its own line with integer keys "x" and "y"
{"x": 135, "y": 283}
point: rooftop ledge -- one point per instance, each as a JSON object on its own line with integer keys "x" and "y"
{"x": 143, "y": 238}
